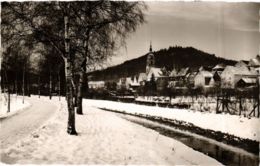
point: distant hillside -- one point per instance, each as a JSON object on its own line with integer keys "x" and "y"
{"x": 177, "y": 57}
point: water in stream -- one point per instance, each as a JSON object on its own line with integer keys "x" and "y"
{"x": 226, "y": 154}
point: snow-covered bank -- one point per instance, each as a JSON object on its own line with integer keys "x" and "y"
{"x": 16, "y": 105}
{"x": 230, "y": 124}
{"x": 104, "y": 138}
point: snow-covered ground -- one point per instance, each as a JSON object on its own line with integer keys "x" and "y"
{"x": 16, "y": 104}
{"x": 26, "y": 121}
{"x": 104, "y": 138}
{"x": 200, "y": 103}
{"x": 231, "y": 124}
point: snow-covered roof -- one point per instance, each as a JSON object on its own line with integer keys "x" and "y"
{"x": 254, "y": 62}
{"x": 249, "y": 80}
{"x": 157, "y": 72}
{"x": 193, "y": 74}
{"x": 96, "y": 82}
{"x": 142, "y": 77}
{"x": 253, "y": 70}
{"x": 128, "y": 80}
{"x": 173, "y": 73}
{"x": 219, "y": 66}
{"x": 183, "y": 71}
{"x": 135, "y": 82}
{"x": 206, "y": 73}
{"x": 241, "y": 63}
{"x": 235, "y": 70}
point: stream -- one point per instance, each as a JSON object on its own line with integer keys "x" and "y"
{"x": 226, "y": 154}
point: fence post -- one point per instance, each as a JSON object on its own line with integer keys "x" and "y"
{"x": 258, "y": 96}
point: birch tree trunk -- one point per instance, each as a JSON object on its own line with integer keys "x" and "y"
{"x": 69, "y": 80}
{"x": 81, "y": 77}
{"x": 79, "y": 93}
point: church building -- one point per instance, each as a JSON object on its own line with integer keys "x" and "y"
{"x": 151, "y": 70}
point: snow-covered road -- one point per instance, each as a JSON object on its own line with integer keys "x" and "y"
{"x": 24, "y": 122}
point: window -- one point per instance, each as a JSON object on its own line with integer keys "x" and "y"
{"x": 207, "y": 80}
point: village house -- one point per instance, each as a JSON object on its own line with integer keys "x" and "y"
{"x": 219, "y": 67}
{"x": 179, "y": 79}
{"x": 173, "y": 74}
{"x": 191, "y": 79}
{"x": 255, "y": 62}
{"x": 134, "y": 84}
{"x": 124, "y": 83}
{"x": 232, "y": 74}
{"x": 204, "y": 79}
{"x": 162, "y": 83}
{"x": 96, "y": 84}
{"x": 241, "y": 64}
{"x": 130, "y": 83}
{"x": 246, "y": 82}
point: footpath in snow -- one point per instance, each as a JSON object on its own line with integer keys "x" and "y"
{"x": 16, "y": 105}
{"x": 229, "y": 124}
{"x": 104, "y": 138}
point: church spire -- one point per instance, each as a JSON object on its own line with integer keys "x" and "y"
{"x": 150, "y": 59}
{"x": 150, "y": 47}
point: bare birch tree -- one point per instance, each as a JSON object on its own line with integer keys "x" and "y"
{"x": 81, "y": 32}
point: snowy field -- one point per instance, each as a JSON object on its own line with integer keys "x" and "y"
{"x": 231, "y": 124}
{"x": 104, "y": 138}
{"x": 15, "y": 105}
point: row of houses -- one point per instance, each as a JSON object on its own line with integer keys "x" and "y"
{"x": 242, "y": 74}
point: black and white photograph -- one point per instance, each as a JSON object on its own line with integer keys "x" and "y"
{"x": 109, "y": 82}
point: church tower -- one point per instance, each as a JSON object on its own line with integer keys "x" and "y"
{"x": 150, "y": 62}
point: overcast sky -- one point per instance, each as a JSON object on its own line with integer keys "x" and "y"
{"x": 229, "y": 30}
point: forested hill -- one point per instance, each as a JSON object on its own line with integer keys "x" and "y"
{"x": 177, "y": 57}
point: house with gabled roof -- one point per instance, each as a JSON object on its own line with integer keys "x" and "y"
{"x": 232, "y": 74}
{"x": 241, "y": 63}
{"x": 254, "y": 62}
{"x": 183, "y": 72}
{"x": 134, "y": 83}
{"x": 246, "y": 82}
{"x": 204, "y": 79}
{"x": 219, "y": 67}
